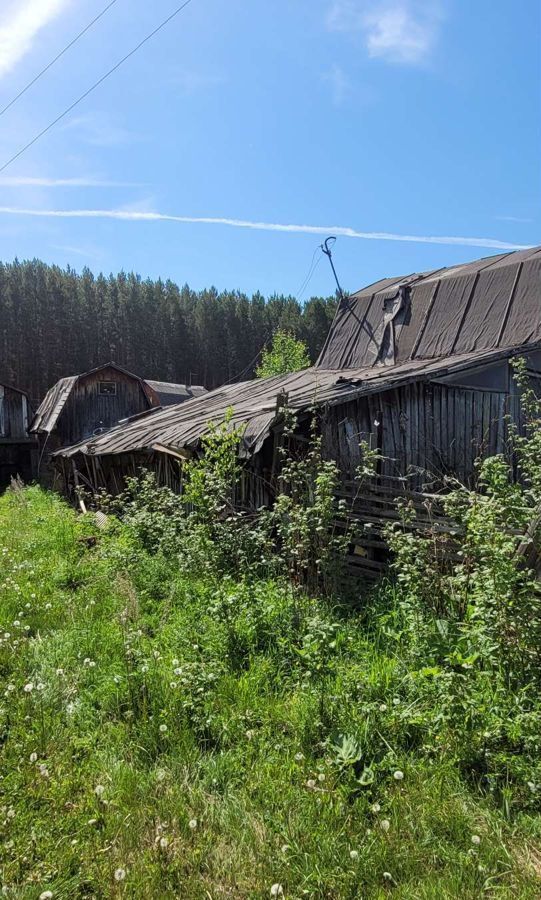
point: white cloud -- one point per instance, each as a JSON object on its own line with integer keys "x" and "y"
{"x": 339, "y": 83}
{"x": 38, "y": 181}
{"x": 398, "y": 31}
{"x": 20, "y": 22}
{"x": 513, "y": 219}
{"x": 343, "y": 231}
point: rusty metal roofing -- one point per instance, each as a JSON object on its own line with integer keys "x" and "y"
{"x": 487, "y": 304}
{"x": 254, "y": 404}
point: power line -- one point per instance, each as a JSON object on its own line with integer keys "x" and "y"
{"x": 95, "y": 85}
{"x": 57, "y": 57}
{"x": 312, "y": 268}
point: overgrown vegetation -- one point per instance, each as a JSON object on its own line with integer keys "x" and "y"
{"x": 184, "y": 715}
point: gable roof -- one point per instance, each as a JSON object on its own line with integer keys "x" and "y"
{"x": 168, "y": 393}
{"x": 484, "y": 305}
{"x": 48, "y": 412}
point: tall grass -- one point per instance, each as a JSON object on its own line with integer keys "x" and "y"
{"x": 168, "y": 735}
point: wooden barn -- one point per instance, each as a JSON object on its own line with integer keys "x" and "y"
{"x": 417, "y": 366}
{"x": 18, "y": 450}
{"x": 81, "y": 406}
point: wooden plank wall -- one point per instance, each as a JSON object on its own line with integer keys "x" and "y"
{"x": 87, "y": 409}
{"x": 425, "y": 431}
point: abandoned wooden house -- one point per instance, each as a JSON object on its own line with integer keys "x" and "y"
{"x": 81, "y": 406}
{"x": 418, "y": 366}
{"x": 18, "y": 450}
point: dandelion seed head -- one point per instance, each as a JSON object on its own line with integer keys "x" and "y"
{"x": 28, "y": 688}
{"x": 45, "y": 895}
{"x": 276, "y": 890}
{"x": 120, "y": 874}
{"x": 164, "y": 843}
{"x": 192, "y": 824}
{"x": 299, "y": 756}
{"x": 398, "y": 775}
{"x": 475, "y": 839}
{"x": 33, "y": 757}
{"x": 385, "y": 824}
{"x": 311, "y": 784}
{"x": 376, "y": 808}
{"x": 99, "y": 790}
{"x": 163, "y": 728}
{"x": 354, "y": 854}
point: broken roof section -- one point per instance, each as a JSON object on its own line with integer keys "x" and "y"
{"x": 255, "y": 404}
{"x": 491, "y": 303}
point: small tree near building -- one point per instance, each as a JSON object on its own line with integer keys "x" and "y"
{"x": 286, "y": 354}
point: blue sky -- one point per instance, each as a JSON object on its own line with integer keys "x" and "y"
{"x": 403, "y": 117}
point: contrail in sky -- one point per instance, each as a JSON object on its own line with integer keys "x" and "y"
{"x": 135, "y": 216}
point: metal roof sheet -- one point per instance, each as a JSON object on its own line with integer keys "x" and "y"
{"x": 486, "y": 304}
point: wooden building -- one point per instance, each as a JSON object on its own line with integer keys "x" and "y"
{"x": 82, "y": 406}
{"x": 18, "y": 450}
{"x": 420, "y": 367}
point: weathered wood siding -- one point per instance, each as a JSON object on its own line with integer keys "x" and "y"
{"x": 423, "y": 430}
{"x": 87, "y": 410}
{"x": 13, "y": 414}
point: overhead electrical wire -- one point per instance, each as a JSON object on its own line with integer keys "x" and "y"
{"x": 57, "y": 57}
{"x": 95, "y": 85}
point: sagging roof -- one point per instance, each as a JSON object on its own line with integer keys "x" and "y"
{"x": 254, "y": 404}
{"x": 168, "y": 393}
{"x": 488, "y": 304}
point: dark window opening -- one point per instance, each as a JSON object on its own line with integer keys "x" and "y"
{"x": 107, "y": 388}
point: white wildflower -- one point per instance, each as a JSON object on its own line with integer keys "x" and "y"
{"x": 120, "y": 874}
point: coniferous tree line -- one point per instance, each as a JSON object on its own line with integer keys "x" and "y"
{"x": 55, "y": 322}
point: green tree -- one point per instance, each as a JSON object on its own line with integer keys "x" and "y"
{"x": 286, "y": 354}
